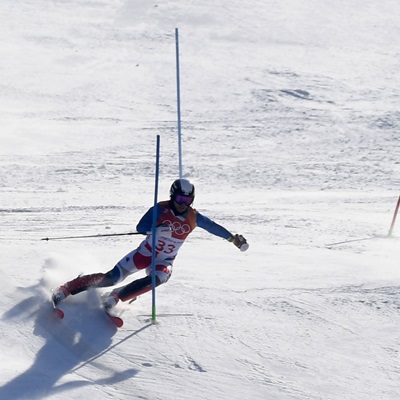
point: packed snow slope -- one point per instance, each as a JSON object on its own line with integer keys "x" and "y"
{"x": 290, "y": 132}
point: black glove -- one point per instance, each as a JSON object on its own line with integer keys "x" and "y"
{"x": 240, "y": 242}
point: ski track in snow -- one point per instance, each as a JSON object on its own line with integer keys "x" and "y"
{"x": 290, "y": 128}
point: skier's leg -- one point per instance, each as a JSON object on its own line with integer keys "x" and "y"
{"x": 84, "y": 282}
{"x": 122, "y": 269}
{"x": 139, "y": 286}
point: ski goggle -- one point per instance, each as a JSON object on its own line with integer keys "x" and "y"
{"x": 180, "y": 199}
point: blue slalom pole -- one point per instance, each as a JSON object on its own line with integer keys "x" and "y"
{"x": 153, "y": 244}
{"x": 178, "y": 98}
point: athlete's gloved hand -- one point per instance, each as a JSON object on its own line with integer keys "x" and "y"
{"x": 240, "y": 242}
{"x": 163, "y": 231}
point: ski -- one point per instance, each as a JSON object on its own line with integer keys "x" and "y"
{"x": 117, "y": 321}
{"x": 57, "y": 310}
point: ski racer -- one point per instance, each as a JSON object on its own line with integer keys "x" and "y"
{"x": 176, "y": 219}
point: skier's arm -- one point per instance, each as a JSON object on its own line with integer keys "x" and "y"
{"x": 212, "y": 227}
{"x": 146, "y": 222}
{"x": 218, "y": 230}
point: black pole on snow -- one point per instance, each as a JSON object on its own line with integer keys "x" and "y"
{"x": 94, "y": 236}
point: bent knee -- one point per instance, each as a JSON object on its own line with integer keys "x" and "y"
{"x": 163, "y": 273}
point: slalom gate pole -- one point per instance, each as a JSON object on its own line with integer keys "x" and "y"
{"x": 178, "y": 99}
{"x": 153, "y": 244}
{"x": 394, "y": 217}
{"x": 93, "y": 236}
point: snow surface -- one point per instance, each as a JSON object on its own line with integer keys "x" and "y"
{"x": 290, "y": 125}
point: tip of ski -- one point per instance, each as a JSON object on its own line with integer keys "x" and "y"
{"x": 57, "y": 310}
{"x": 117, "y": 321}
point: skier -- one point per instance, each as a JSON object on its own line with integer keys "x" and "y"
{"x": 176, "y": 219}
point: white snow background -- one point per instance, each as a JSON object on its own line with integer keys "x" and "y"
{"x": 290, "y": 132}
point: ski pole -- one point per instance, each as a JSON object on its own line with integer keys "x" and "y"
{"x": 394, "y": 217}
{"x": 351, "y": 240}
{"x": 94, "y": 236}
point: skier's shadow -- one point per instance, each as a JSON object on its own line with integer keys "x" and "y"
{"x": 80, "y": 339}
